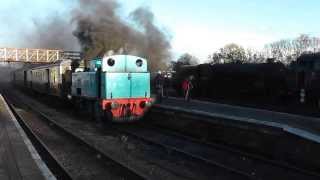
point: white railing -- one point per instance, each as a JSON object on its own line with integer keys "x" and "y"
{"x": 30, "y": 55}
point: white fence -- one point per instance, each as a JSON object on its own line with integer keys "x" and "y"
{"x": 30, "y": 55}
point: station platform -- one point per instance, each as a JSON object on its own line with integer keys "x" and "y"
{"x": 303, "y": 126}
{"x": 18, "y": 158}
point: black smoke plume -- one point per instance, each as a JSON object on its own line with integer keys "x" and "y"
{"x": 55, "y": 33}
{"x": 99, "y": 28}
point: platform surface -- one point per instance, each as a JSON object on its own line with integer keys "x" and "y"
{"x": 18, "y": 159}
{"x": 306, "y": 127}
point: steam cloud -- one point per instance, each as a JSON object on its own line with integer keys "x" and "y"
{"x": 99, "y": 28}
{"x": 6, "y": 70}
{"x": 53, "y": 34}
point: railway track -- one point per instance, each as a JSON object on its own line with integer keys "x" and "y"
{"x": 176, "y": 167}
{"x": 119, "y": 170}
{"x": 170, "y": 147}
{"x": 231, "y": 149}
{"x": 236, "y": 161}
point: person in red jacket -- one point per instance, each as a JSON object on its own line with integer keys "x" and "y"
{"x": 187, "y": 86}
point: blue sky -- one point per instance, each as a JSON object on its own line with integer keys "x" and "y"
{"x": 196, "y": 26}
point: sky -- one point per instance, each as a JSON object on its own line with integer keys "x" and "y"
{"x": 199, "y": 27}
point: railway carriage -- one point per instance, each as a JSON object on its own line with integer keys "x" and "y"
{"x": 270, "y": 81}
{"x": 48, "y": 79}
{"x": 45, "y": 79}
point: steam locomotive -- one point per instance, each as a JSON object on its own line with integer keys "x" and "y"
{"x": 299, "y": 81}
{"x": 117, "y": 88}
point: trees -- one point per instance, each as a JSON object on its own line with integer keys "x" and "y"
{"x": 184, "y": 59}
{"x": 188, "y": 59}
{"x": 254, "y": 56}
{"x": 287, "y": 50}
{"x": 231, "y": 53}
{"x": 215, "y": 58}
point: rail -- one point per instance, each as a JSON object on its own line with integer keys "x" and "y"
{"x": 127, "y": 172}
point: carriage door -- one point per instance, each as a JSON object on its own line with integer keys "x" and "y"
{"x": 31, "y": 79}
{"x": 48, "y": 80}
{"x": 25, "y": 78}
